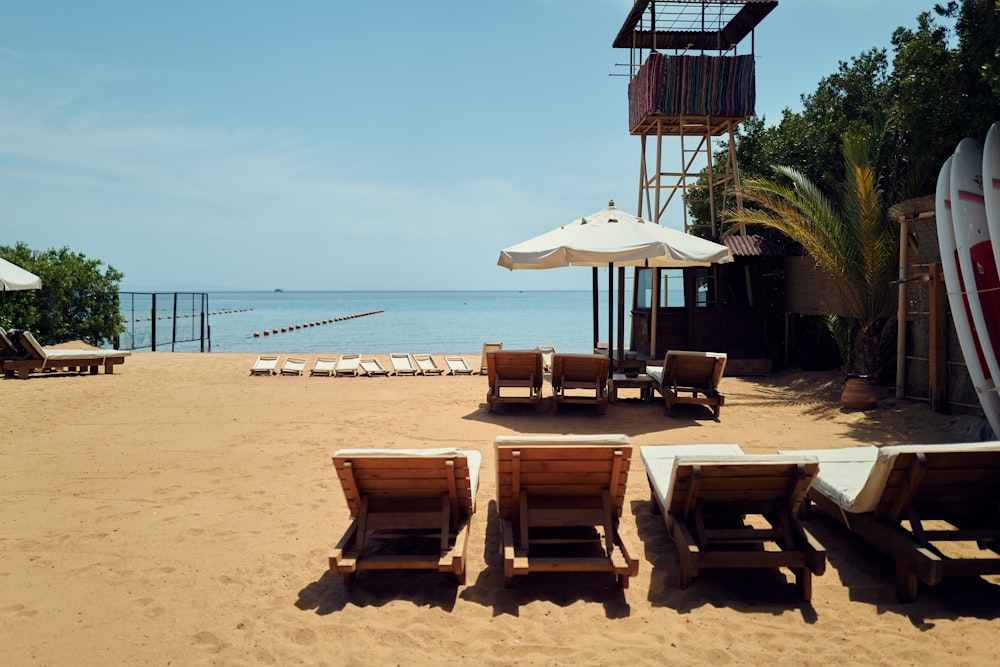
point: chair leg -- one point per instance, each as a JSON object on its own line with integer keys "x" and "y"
{"x": 906, "y": 584}
{"x": 803, "y": 581}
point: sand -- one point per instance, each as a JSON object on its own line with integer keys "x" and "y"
{"x": 181, "y": 512}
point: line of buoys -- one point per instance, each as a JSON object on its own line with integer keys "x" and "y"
{"x": 293, "y": 327}
{"x": 214, "y": 312}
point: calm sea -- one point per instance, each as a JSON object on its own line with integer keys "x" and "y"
{"x": 438, "y": 322}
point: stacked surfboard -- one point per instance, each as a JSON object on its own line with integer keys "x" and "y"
{"x": 968, "y": 217}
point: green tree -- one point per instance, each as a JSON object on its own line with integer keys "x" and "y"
{"x": 78, "y": 299}
{"x": 848, "y": 234}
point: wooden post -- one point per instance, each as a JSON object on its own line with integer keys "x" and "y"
{"x": 901, "y": 313}
{"x": 938, "y": 352}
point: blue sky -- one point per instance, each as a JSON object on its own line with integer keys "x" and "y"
{"x": 343, "y": 145}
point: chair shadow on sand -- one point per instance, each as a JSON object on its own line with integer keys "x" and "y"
{"x": 328, "y": 594}
{"x": 562, "y": 589}
{"x": 766, "y": 591}
{"x": 869, "y": 577}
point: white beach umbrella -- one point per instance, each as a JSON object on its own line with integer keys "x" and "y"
{"x": 13, "y": 277}
{"x": 610, "y": 237}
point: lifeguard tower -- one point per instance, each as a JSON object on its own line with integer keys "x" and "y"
{"x": 691, "y": 82}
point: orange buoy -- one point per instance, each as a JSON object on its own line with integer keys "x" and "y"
{"x": 256, "y": 334}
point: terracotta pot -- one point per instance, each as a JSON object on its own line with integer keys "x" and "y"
{"x": 859, "y": 393}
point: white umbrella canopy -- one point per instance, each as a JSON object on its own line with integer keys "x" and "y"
{"x": 611, "y": 236}
{"x": 13, "y": 277}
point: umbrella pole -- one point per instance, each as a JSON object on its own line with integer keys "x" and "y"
{"x": 621, "y": 316}
{"x": 596, "y": 320}
{"x": 611, "y": 316}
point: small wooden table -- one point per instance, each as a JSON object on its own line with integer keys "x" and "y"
{"x": 642, "y": 382}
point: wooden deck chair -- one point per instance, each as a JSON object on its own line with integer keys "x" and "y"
{"x": 402, "y": 364}
{"x": 726, "y": 509}
{"x": 372, "y": 367}
{"x": 37, "y": 358}
{"x": 410, "y": 509}
{"x": 487, "y": 348}
{"x": 293, "y": 366}
{"x": 559, "y": 500}
{"x": 690, "y": 377}
{"x": 348, "y": 364}
{"x": 933, "y": 509}
{"x": 7, "y": 348}
{"x": 458, "y": 366}
{"x": 519, "y": 370}
{"x": 324, "y": 366}
{"x": 547, "y": 352}
{"x": 427, "y": 365}
{"x": 266, "y": 364}
{"x": 574, "y": 372}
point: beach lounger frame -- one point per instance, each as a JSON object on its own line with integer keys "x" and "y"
{"x": 37, "y": 358}
{"x": 559, "y": 501}
{"x": 427, "y": 365}
{"x": 293, "y": 366}
{"x": 347, "y": 365}
{"x": 324, "y": 367}
{"x": 575, "y": 372}
{"x": 518, "y": 370}
{"x": 404, "y": 496}
{"x": 917, "y": 501}
{"x": 487, "y": 348}
{"x": 706, "y": 494}
{"x": 457, "y": 365}
{"x": 403, "y": 364}
{"x": 690, "y": 378}
{"x": 372, "y": 367}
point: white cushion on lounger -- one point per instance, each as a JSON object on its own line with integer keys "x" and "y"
{"x": 570, "y": 440}
{"x": 659, "y": 462}
{"x": 854, "y": 477}
{"x": 475, "y": 459}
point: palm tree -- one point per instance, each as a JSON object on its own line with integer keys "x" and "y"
{"x": 851, "y": 238}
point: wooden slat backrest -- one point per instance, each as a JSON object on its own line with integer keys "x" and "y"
{"x": 952, "y": 484}
{"x": 751, "y": 486}
{"x": 514, "y": 366}
{"x": 32, "y": 346}
{"x": 562, "y": 470}
{"x": 693, "y": 370}
{"x": 404, "y": 479}
{"x": 579, "y": 368}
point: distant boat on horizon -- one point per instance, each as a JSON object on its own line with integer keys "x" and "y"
{"x": 278, "y": 289}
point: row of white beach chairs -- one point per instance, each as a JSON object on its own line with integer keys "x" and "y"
{"x": 351, "y": 365}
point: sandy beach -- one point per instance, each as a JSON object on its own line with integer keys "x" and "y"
{"x": 181, "y": 512}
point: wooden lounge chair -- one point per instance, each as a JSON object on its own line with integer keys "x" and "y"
{"x": 559, "y": 500}
{"x": 402, "y": 364}
{"x": 410, "y": 509}
{"x": 348, "y": 364}
{"x": 547, "y": 352}
{"x": 266, "y": 364}
{"x": 588, "y": 372}
{"x": 7, "y": 348}
{"x": 293, "y": 366}
{"x": 324, "y": 366}
{"x": 458, "y": 366}
{"x": 427, "y": 365}
{"x": 517, "y": 370}
{"x": 707, "y": 493}
{"x": 693, "y": 373}
{"x": 372, "y": 367}
{"x": 932, "y": 509}
{"x": 487, "y": 348}
{"x": 36, "y": 358}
